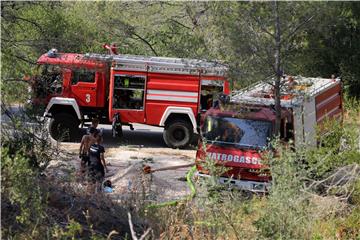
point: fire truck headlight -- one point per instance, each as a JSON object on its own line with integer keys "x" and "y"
{"x": 258, "y": 187}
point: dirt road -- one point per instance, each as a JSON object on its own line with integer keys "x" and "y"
{"x": 142, "y": 146}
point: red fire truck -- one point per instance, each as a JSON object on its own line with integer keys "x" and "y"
{"x": 125, "y": 89}
{"x": 238, "y": 133}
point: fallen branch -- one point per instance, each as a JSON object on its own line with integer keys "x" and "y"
{"x": 133, "y": 233}
{"x": 340, "y": 180}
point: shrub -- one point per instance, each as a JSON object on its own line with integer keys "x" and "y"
{"x": 26, "y": 134}
{"x": 20, "y": 193}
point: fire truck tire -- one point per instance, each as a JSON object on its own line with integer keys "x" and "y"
{"x": 178, "y": 133}
{"x": 64, "y": 127}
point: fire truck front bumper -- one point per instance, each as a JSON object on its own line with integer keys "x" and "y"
{"x": 253, "y": 186}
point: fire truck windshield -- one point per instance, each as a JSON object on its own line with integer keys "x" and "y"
{"x": 237, "y": 132}
{"x": 49, "y": 80}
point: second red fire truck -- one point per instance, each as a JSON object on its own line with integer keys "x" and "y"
{"x": 125, "y": 89}
{"x": 237, "y": 133}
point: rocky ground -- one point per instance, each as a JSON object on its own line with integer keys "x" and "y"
{"x": 126, "y": 158}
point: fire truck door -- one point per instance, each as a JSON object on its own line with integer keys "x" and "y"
{"x": 83, "y": 87}
{"x": 210, "y": 90}
{"x": 127, "y": 97}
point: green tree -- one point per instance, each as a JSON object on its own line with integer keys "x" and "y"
{"x": 263, "y": 34}
{"x": 331, "y": 45}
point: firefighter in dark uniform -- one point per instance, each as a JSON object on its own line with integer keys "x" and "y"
{"x": 97, "y": 165}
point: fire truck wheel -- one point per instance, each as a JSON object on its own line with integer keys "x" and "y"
{"x": 64, "y": 127}
{"x": 178, "y": 134}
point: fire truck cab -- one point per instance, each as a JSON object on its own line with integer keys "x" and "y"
{"x": 237, "y": 134}
{"x": 125, "y": 89}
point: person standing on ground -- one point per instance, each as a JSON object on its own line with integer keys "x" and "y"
{"x": 86, "y": 142}
{"x": 97, "y": 165}
{"x": 94, "y": 124}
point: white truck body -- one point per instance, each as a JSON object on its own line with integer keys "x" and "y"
{"x": 311, "y": 101}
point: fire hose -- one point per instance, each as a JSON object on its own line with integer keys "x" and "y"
{"x": 190, "y": 184}
{"x": 147, "y": 169}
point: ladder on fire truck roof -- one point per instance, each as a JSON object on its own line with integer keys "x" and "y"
{"x": 161, "y": 64}
{"x": 260, "y": 92}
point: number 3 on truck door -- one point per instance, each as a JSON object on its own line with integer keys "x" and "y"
{"x": 84, "y": 84}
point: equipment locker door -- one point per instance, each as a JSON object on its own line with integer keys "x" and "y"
{"x": 127, "y": 96}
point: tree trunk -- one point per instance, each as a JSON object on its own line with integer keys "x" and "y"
{"x": 277, "y": 68}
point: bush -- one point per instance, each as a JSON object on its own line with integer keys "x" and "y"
{"x": 25, "y": 133}
{"x": 286, "y": 214}
{"x": 20, "y": 193}
{"x": 36, "y": 206}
